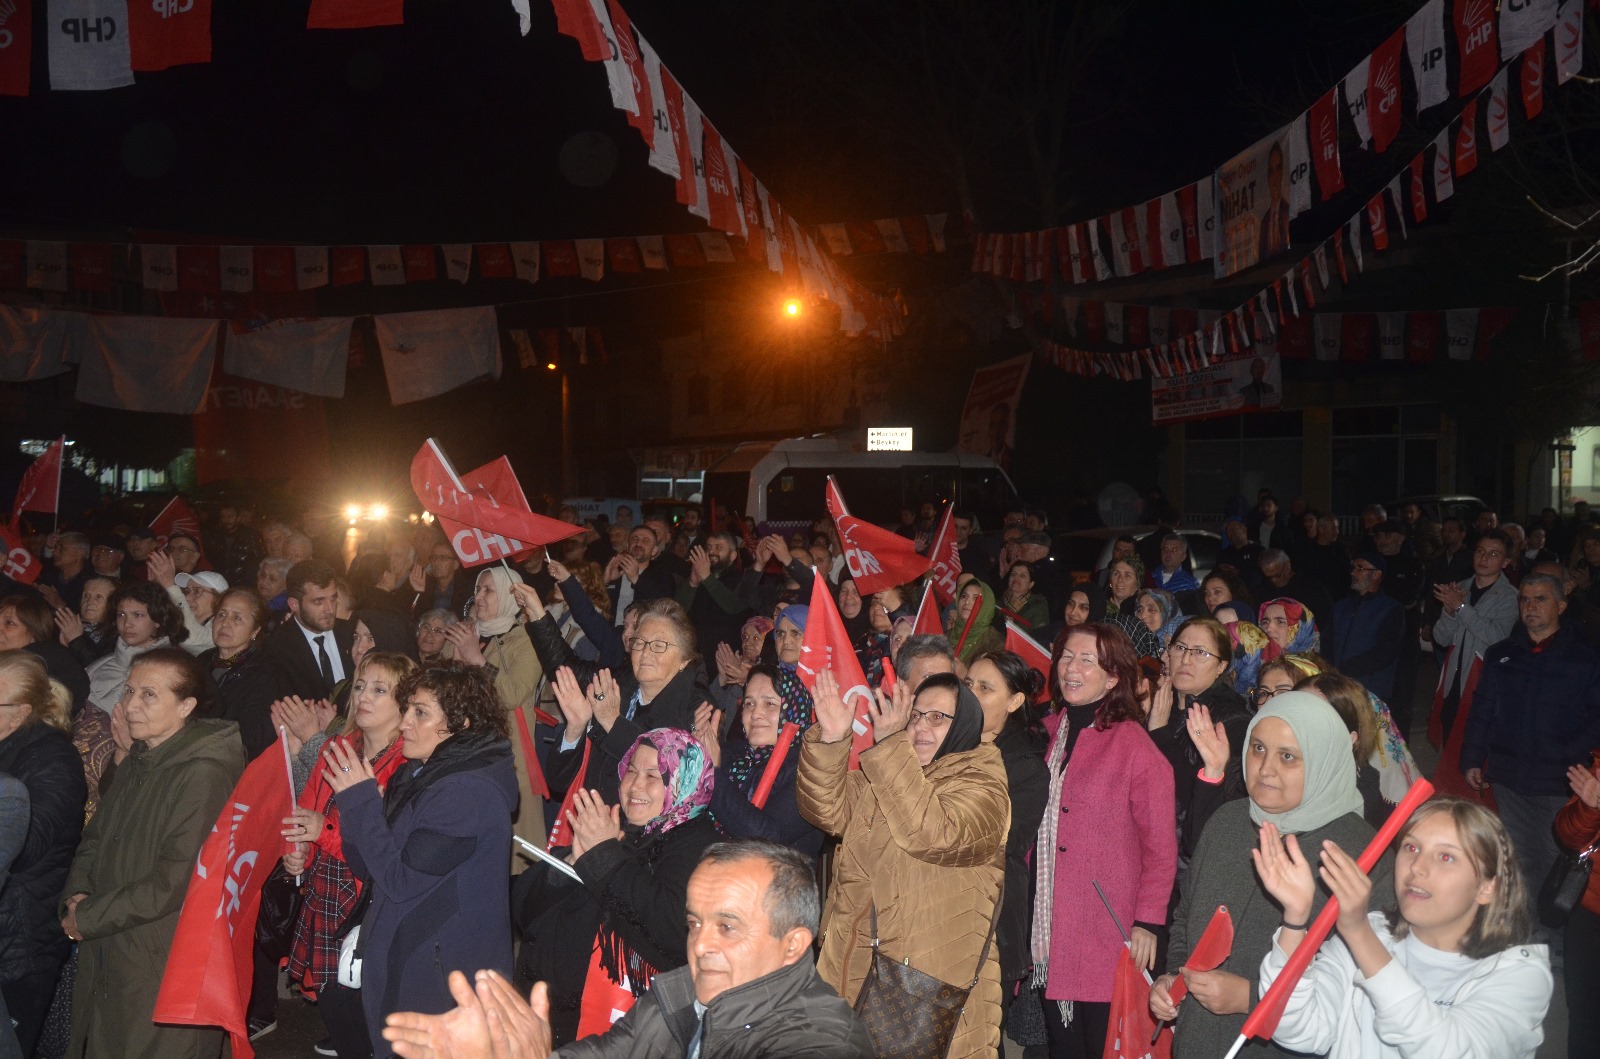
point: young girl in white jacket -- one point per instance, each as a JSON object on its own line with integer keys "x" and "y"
{"x": 1450, "y": 975}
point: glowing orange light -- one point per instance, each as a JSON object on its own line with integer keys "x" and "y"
{"x": 791, "y": 308}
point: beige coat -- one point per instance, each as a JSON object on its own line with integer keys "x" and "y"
{"x": 517, "y": 678}
{"x": 928, "y": 847}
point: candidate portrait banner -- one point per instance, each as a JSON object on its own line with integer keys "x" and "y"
{"x": 1256, "y": 199}
{"x": 989, "y": 417}
{"x": 1231, "y": 385}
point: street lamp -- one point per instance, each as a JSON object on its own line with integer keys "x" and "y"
{"x": 792, "y": 307}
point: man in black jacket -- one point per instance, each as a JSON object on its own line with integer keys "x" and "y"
{"x": 312, "y": 648}
{"x": 750, "y": 990}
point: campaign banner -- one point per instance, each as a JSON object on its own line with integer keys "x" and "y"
{"x": 989, "y": 418}
{"x": 1231, "y": 385}
{"x": 1255, "y": 203}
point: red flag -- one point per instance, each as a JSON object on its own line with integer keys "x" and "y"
{"x": 826, "y": 646}
{"x": 928, "y": 622}
{"x": 208, "y": 974}
{"x": 1532, "y": 80}
{"x": 624, "y": 255}
{"x": 178, "y": 517}
{"x": 1021, "y": 644}
{"x": 1189, "y": 211}
{"x": 877, "y": 558}
{"x": 946, "y": 558}
{"x": 91, "y": 266}
{"x": 40, "y": 488}
{"x": 1476, "y": 45}
{"x": 495, "y": 483}
{"x": 487, "y": 503}
{"x": 199, "y": 268}
{"x": 1213, "y": 947}
{"x": 1589, "y": 329}
{"x": 1383, "y": 91}
{"x": 1131, "y": 1029}
{"x": 1356, "y": 332}
{"x": 1467, "y": 140}
{"x": 421, "y": 262}
{"x": 19, "y": 564}
{"x": 1422, "y": 337}
{"x": 16, "y": 48}
{"x": 355, "y": 14}
{"x": 721, "y": 192}
{"x": 167, "y": 33}
{"x": 349, "y": 264}
{"x": 1419, "y": 194}
{"x": 1264, "y": 1017}
{"x": 578, "y": 20}
{"x": 561, "y": 830}
{"x": 275, "y": 268}
{"x": 1378, "y": 222}
{"x": 1492, "y": 322}
{"x": 13, "y": 275}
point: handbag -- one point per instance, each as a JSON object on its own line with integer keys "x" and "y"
{"x": 280, "y": 907}
{"x": 1563, "y": 888}
{"x": 910, "y": 1014}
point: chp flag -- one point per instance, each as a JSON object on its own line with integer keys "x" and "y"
{"x": 827, "y": 646}
{"x": 179, "y": 517}
{"x": 877, "y": 558}
{"x": 946, "y": 557}
{"x": 1032, "y": 652}
{"x": 485, "y": 514}
{"x": 18, "y": 563}
{"x": 40, "y": 489}
{"x": 208, "y": 974}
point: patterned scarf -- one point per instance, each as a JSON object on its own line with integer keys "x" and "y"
{"x": 1044, "y": 864}
{"x": 797, "y": 710}
{"x": 685, "y": 771}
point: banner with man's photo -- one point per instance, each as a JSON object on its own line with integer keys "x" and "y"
{"x": 1258, "y": 192}
{"x": 989, "y": 418}
{"x": 1231, "y": 385}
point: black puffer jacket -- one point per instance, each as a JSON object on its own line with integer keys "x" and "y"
{"x": 43, "y": 758}
{"x": 244, "y": 695}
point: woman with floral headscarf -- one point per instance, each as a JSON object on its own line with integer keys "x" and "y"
{"x": 609, "y": 934}
{"x": 1290, "y": 626}
{"x": 742, "y": 765}
{"x": 1249, "y": 644}
{"x": 886, "y": 611}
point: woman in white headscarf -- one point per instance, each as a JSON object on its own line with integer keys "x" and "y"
{"x": 495, "y": 640}
{"x": 1299, "y": 775}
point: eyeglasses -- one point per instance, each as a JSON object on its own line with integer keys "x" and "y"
{"x": 658, "y": 647}
{"x": 934, "y": 718}
{"x": 1361, "y": 568}
{"x": 435, "y": 629}
{"x": 1182, "y": 651}
{"x": 1264, "y": 694}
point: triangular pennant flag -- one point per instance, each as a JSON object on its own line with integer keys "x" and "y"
{"x": 1425, "y": 46}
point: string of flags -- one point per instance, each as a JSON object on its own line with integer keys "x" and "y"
{"x": 921, "y": 233}
{"x": 1240, "y": 214}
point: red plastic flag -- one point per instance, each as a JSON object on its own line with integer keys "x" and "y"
{"x": 40, "y": 488}
{"x": 1131, "y": 1029}
{"x": 167, "y": 33}
{"x": 1031, "y": 652}
{"x": 496, "y": 483}
{"x": 1265, "y": 1016}
{"x": 18, "y": 563}
{"x": 946, "y": 557}
{"x": 827, "y": 646}
{"x": 1477, "y": 46}
{"x": 16, "y": 47}
{"x": 1532, "y": 80}
{"x": 877, "y": 558}
{"x": 1213, "y": 947}
{"x": 207, "y": 978}
{"x": 928, "y": 622}
{"x": 1383, "y": 91}
{"x": 487, "y": 504}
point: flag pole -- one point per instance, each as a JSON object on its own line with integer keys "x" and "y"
{"x": 288, "y": 769}
{"x": 1127, "y": 939}
{"x": 61, "y": 458}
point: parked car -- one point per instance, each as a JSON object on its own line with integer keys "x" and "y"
{"x": 1086, "y": 551}
{"x": 1436, "y": 508}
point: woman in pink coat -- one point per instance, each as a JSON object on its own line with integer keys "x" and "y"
{"x": 1109, "y": 819}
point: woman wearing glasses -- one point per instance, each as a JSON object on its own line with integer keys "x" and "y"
{"x": 1198, "y": 722}
{"x": 923, "y": 831}
{"x": 1108, "y": 819}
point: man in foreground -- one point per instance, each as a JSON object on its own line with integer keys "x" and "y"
{"x": 750, "y": 989}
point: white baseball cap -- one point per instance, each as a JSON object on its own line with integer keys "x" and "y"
{"x": 205, "y": 579}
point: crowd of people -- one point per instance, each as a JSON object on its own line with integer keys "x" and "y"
{"x": 633, "y": 701}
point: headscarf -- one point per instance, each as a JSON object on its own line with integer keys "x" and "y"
{"x": 1145, "y": 643}
{"x": 1249, "y": 644}
{"x": 1171, "y": 616}
{"x": 1330, "y": 770}
{"x": 796, "y": 710}
{"x": 1096, "y": 595}
{"x": 1138, "y": 582}
{"x": 981, "y": 622}
{"x": 506, "y": 616}
{"x": 854, "y": 628}
{"x": 966, "y": 728}
{"x": 758, "y": 622}
{"x": 1397, "y": 769}
{"x": 685, "y": 770}
{"x": 1302, "y": 628}
{"x": 390, "y": 632}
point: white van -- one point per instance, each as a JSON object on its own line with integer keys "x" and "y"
{"x": 781, "y": 483}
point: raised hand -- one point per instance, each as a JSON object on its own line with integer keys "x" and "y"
{"x": 707, "y": 729}
{"x": 463, "y": 635}
{"x": 418, "y": 578}
{"x": 293, "y": 714}
{"x": 560, "y": 572}
{"x": 1351, "y": 887}
{"x": 162, "y": 570}
{"x": 891, "y": 714}
{"x": 1285, "y": 874}
{"x": 1161, "y": 703}
{"x": 528, "y": 601}
{"x": 70, "y": 624}
{"x": 1210, "y": 739}
{"x": 699, "y": 566}
{"x": 1586, "y": 785}
{"x": 346, "y": 767}
{"x": 605, "y": 699}
{"x": 593, "y": 822}
{"x": 574, "y": 704}
{"x": 833, "y": 713}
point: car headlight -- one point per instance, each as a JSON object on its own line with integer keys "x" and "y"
{"x": 378, "y": 512}
{"x": 352, "y": 511}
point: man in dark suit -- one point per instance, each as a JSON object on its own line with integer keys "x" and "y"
{"x": 312, "y": 647}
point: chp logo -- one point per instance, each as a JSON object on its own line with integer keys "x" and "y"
{"x": 168, "y": 8}
{"x": 8, "y": 10}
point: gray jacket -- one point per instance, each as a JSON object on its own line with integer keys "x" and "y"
{"x": 790, "y": 1013}
{"x": 1475, "y": 628}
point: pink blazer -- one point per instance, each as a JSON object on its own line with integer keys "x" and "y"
{"x": 1118, "y": 828}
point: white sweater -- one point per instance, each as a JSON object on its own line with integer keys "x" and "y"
{"x": 1494, "y": 1011}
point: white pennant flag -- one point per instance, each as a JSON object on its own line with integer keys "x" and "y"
{"x": 88, "y": 45}
{"x": 457, "y": 261}
{"x": 386, "y": 266}
{"x": 1392, "y": 336}
{"x": 663, "y": 145}
{"x": 1327, "y": 335}
{"x": 591, "y": 258}
{"x": 1425, "y": 44}
{"x": 305, "y": 355}
{"x": 1299, "y": 167}
{"x": 1114, "y": 322}
{"x": 310, "y": 267}
{"x": 1160, "y": 325}
{"x": 1294, "y": 297}
{"x": 715, "y": 246}
{"x": 1569, "y": 41}
{"x": 1354, "y": 87}
{"x": 1353, "y": 231}
{"x": 47, "y": 265}
{"x": 1171, "y": 231}
{"x": 1320, "y": 256}
{"x": 694, "y": 128}
{"x": 144, "y": 363}
{"x": 1461, "y": 333}
{"x": 238, "y": 265}
{"x": 160, "y": 266}
{"x": 1141, "y": 232}
{"x": 1499, "y": 117}
{"x": 429, "y": 353}
{"x": 653, "y": 252}
{"x": 618, "y": 76}
{"x": 1205, "y": 199}
{"x": 1444, "y": 174}
{"x": 1121, "y": 244}
{"x": 1266, "y": 323}
{"x": 1397, "y": 199}
{"x": 1102, "y": 270}
{"x": 1522, "y": 22}
{"x": 1074, "y": 248}
{"x": 894, "y": 237}
{"x": 525, "y": 261}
